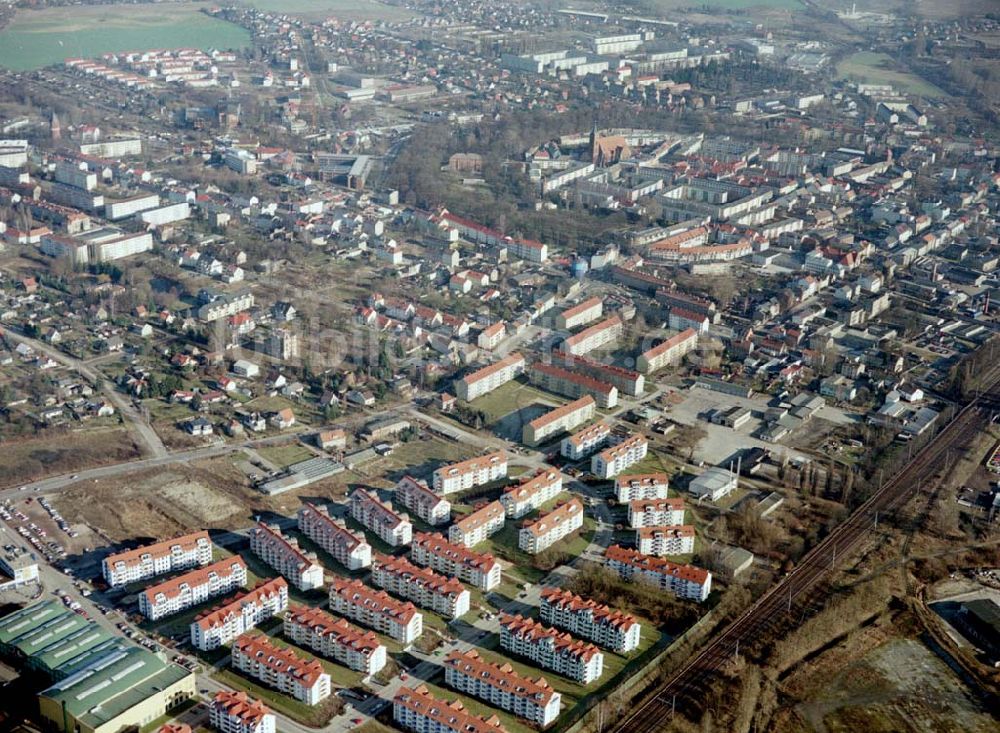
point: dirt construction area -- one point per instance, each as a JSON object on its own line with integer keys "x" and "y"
{"x": 900, "y": 686}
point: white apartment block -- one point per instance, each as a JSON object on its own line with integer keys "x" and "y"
{"x": 581, "y": 314}
{"x": 668, "y": 353}
{"x": 477, "y": 569}
{"x": 470, "y": 530}
{"x": 540, "y": 534}
{"x": 586, "y": 441}
{"x": 238, "y": 615}
{"x": 470, "y": 473}
{"x": 561, "y": 419}
{"x": 501, "y": 687}
{"x": 180, "y": 553}
{"x": 596, "y": 622}
{"x": 376, "y": 609}
{"x": 416, "y": 496}
{"x": 237, "y": 712}
{"x": 612, "y": 461}
{"x": 416, "y": 709}
{"x": 348, "y": 548}
{"x": 281, "y": 668}
{"x": 684, "y": 581}
{"x": 636, "y": 486}
{"x": 551, "y": 649}
{"x": 668, "y": 540}
{"x": 531, "y": 493}
{"x": 446, "y": 596}
{"x": 594, "y": 337}
{"x": 391, "y": 527}
{"x": 192, "y": 588}
{"x": 655, "y": 512}
{"x": 335, "y": 638}
{"x": 282, "y": 553}
{"x": 487, "y": 379}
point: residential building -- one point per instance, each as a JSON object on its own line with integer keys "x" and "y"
{"x": 446, "y": 596}
{"x": 655, "y": 512}
{"x": 594, "y": 337}
{"x": 335, "y": 638}
{"x": 239, "y": 614}
{"x": 470, "y": 473}
{"x": 491, "y": 336}
{"x": 488, "y": 378}
{"x": 580, "y": 314}
{"x": 559, "y": 420}
{"x": 665, "y": 540}
{"x": 280, "y": 668}
{"x": 668, "y": 352}
{"x": 348, "y": 548}
{"x": 539, "y": 534}
{"x": 236, "y": 712}
{"x": 531, "y": 492}
{"x": 474, "y": 528}
{"x": 684, "y": 581}
{"x": 416, "y": 496}
{"x": 586, "y": 441}
{"x": 477, "y": 569}
{"x": 283, "y": 554}
{"x": 612, "y": 461}
{"x": 635, "y": 486}
{"x": 180, "y": 553}
{"x": 570, "y": 384}
{"x": 376, "y": 609}
{"x": 624, "y": 380}
{"x": 589, "y": 620}
{"x": 501, "y": 687}
{"x": 392, "y": 527}
{"x": 551, "y": 649}
{"x": 416, "y": 709}
{"x": 193, "y": 588}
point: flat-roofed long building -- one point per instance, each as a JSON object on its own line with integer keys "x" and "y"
{"x": 584, "y": 442}
{"x": 470, "y": 473}
{"x": 445, "y": 596}
{"x": 192, "y": 588}
{"x": 335, "y": 638}
{"x": 558, "y": 420}
{"x": 478, "y": 526}
{"x": 677, "y": 539}
{"x": 487, "y": 379}
{"x": 282, "y": 553}
{"x": 655, "y": 512}
{"x": 416, "y": 709}
{"x": 551, "y": 649}
{"x": 539, "y": 534}
{"x": 667, "y": 353}
{"x": 531, "y": 492}
{"x": 418, "y": 497}
{"x": 239, "y": 614}
{"x": 502, "y": 687}
{"x": 572, "y": 384}
{"x": 684, "y": 581}
{"x": 594, "y": 337}
{"x": 612, "y": 461}
{"x": 392, "y": 527}
{"x": 180, "y": 553}
{"x": 256, "y": 655}
{"x": 635, "y": 486}
{"x": 348, "y": 548}
{"x": 581, "y": 314}
{"x": 588, "y": 619}
{"x": 236, "y": 712}
{"x": 376, "y": 609}
{"x": 475, "y": 568}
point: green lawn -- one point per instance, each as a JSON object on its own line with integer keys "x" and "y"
{"x": 504, "y": 545}
{"x": 511, "y": 397}
{"x": 285, "y": 455}
{"x": 313, "y": 716}
{"x": 175, "y": 713}
{"x": 343, "y": 9}
{"x": 340, "y": 676}
{"x": 879, "y": 68}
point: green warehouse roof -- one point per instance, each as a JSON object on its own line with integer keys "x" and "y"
{"x": 68, "y": 647}
{"x": 49, "y": 634}
{"x": 21, "y": 622}
{"x": 113, "y": 684}
{"x": 88, "y": 657}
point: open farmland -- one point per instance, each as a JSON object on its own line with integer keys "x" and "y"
{"x": 878, "y": 68}
{"x": 344, "y": 9}
{"x": 37, "y": 38}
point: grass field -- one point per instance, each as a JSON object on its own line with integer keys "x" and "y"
{"x": 37, "y": 38}
{"x": 730, "y": 4}
{"x": 56, "y": 452}
{"x": 878, "y": 68}
{"x": 511, "y": 397}
{"x": 346, "y": 9}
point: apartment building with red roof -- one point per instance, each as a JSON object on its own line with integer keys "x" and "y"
{"x": 392, "y": 527}
{"x": 236, "y": 712}
{"x": 612, "y": 461}
{"x": 470, "y": 473}
{"x": 636, "y": 486}
{"x": 676, "y": 539}
{"x": 559, "y": 420}
{"x": 480, "y": 570}
{"x": 179, "y": 553}
{"x": 239, "y": 614}
{"x": 193, "y": 588}
{"x": 348, "y": 548}
{"x": 537, "y": 535}
{"x": 588, "y": 619}
{"x": 418, "y": 497}
{"x": 684, "y": 581}
{"x": 376, "y": 609}
{"x": 479, "y": 525}
{"x": 335, "y": 638}
{"x": 488, "y": 378}
{"x": 655, "y": 512}
{"x": 564, "y": 382}
{"x": 531, "y": 492}
{"x": 551, "y": 649}
{"x": 501, "y": 687}
{"x": 280, "y": 668}
{"x": 594, "y": 337}
{"x": 584, "y": 442}
{"x": 426, "y": 588}
{"x": 302, "y": 569}
{"x": 416, "y": 709}
{"x": 668, "y": 353}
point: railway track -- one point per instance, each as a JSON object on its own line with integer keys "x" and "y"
{"x": 803, "y": 590}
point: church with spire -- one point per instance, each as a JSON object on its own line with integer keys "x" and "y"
{"x": 607, "y": 150}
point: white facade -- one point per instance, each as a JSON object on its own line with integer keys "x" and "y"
{"x": 478, "y": 526}
{"x": 585, "y": 441}
{"x": 501, "y": 687}
{"x": 348, "y": 548}
{"x": 281, "y": 668}
{"x": 668, "y": 540}
{"x": 284, "y": 555}
{"x": 224, "y": 623}
{"x": 477, "y": 569}
{"x": 335, "y": 638}
{"x": 551, "y": 649}
{"x": 633, "y": 487}
{"x": 114, "y": 210}
{"x": 236, "y": 712}
{"x": 612, "y": 461}
{"x": 416, "y": 496}
{"x": 180, "y": 553}
{"x": 376, "y": 610}
{"x": 193, "y": 588}
{"x": 611, "y": 629}
{"x": 655, "y": 512}
{"x": 392, "y": 527}
{"x": 531, "y": 493}
{"x": 470, "y": 473}
{"x": 446, "y": 596}
{"x": 542, "y": 533}
{"x": 594, "y": 337}
{"x": 416, "y": 709}
{"x": 684, "y": 581}
{"x": 489, "y": 377}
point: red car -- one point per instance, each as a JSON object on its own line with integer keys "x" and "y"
{"x": 356, "y": 721}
